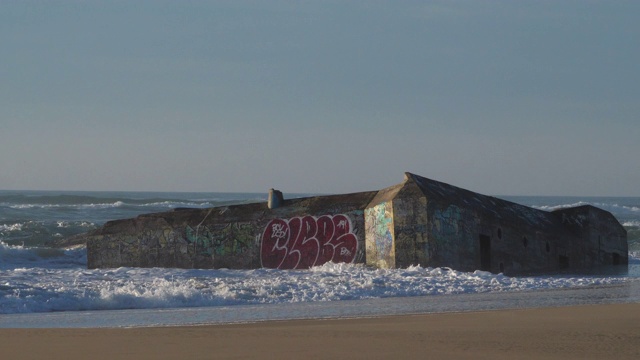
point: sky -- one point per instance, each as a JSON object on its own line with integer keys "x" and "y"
{"x": 498, "y": 97}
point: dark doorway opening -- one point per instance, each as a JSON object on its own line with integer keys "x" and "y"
{"x": 485, "y": 253}
{"x": 563, "y": 261}
{"x": 616, "y": 258}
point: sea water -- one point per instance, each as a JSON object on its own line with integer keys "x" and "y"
{"x": 44, "y": 286}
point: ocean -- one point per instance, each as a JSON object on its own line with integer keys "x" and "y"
{"x": 43, "y": 286}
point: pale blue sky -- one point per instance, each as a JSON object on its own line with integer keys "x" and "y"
{"x": 500, "y": 97}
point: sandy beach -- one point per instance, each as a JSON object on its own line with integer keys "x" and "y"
{"x": 578, "y": 332}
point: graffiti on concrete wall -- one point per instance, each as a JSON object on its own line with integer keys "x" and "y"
{"x": 447, "y": 222}
{"x": 379, "y": 235}
{"x": 230, "y": 239}
{"x": 303, "y": 242}
{"x": 454, "y": 236}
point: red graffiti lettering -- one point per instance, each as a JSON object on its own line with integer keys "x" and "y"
{"x": 303, "y": 242}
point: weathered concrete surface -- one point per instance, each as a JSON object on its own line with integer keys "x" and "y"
{"x": 298, "y": 234}
{"x": 417, "y": 222}
{"x": 436, "y": 224}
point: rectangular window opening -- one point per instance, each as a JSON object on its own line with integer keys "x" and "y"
{"x": 485, "y": 253}
{"x": 616, "y": 258}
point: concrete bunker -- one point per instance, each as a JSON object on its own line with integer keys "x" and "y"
{"x": 417, "y": 222}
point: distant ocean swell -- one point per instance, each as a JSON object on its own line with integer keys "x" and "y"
{"x": 117, "y": 204}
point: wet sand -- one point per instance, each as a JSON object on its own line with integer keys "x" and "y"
{"x": 577, "y": 332}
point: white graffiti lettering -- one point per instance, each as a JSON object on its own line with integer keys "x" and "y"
{"x": 303, "y": 242}
{"x": 278, "y": 231}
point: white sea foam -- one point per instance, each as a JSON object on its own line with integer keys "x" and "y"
{"x": 77, "y": 206}
{"x": 561, "y": 206}
{"x": 611, "y": 207}
{"x": 631, "y": 223}
{"x": 116, "y": 204}
{"x": 175, "y": 204}
{"x": 40, "y": 280}
{"x": 67, "y": 224}
{"x": 19, "y": 256}
{"x": 11, "y": 227}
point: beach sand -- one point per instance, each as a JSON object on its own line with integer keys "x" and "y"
{"x": 578, "y": 332}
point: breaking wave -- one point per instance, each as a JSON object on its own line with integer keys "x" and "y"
{"x": 611, "y": 207}
{"x": 43, "y": 280}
